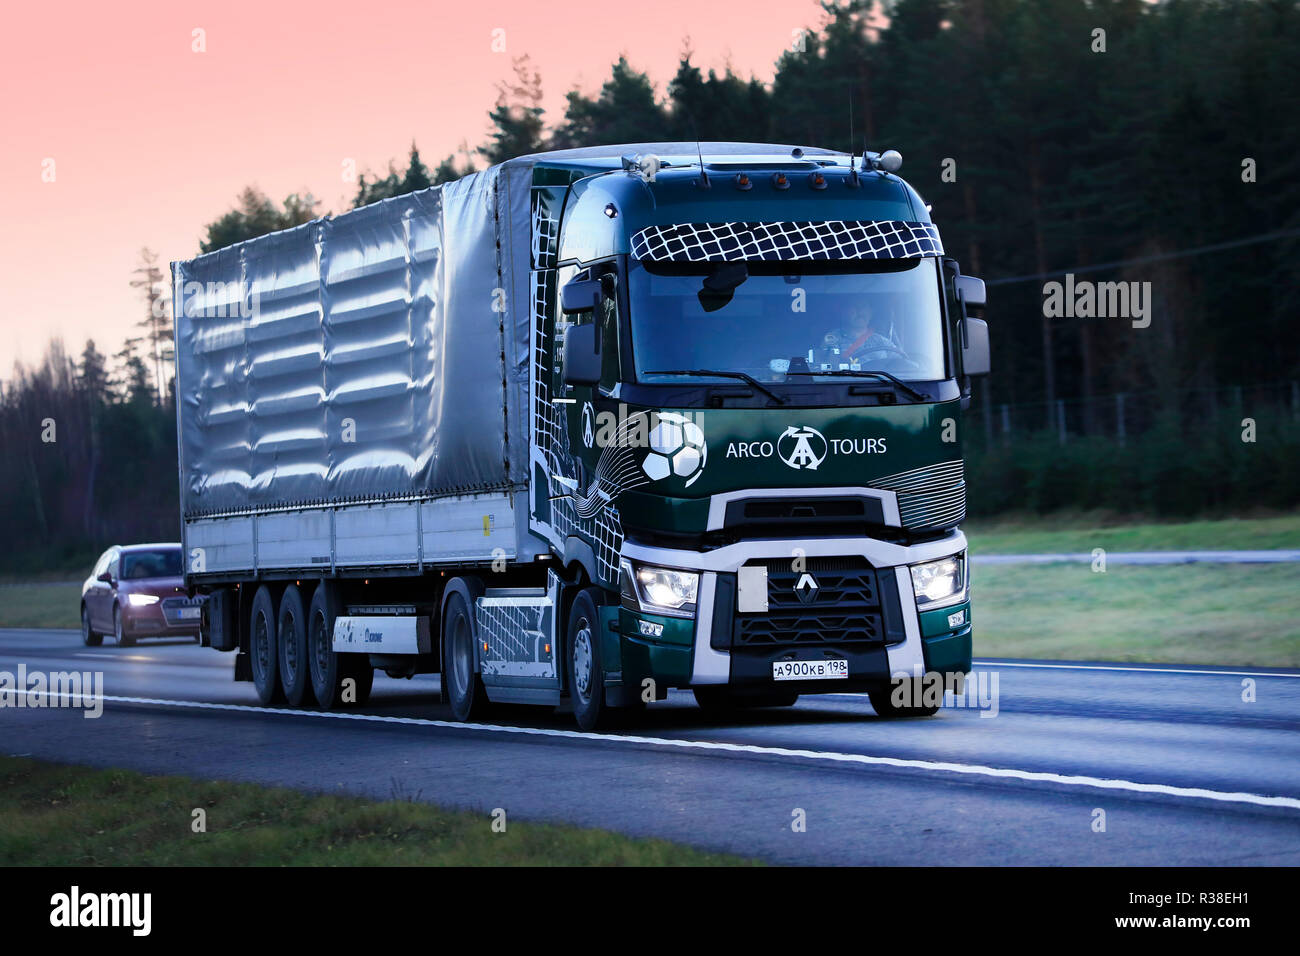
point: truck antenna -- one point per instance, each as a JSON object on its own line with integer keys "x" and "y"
{"x": 703, "y": 181}
{"x": 853, "y": 169}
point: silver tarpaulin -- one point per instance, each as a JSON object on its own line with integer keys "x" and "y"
{"x": 381, "y": 353}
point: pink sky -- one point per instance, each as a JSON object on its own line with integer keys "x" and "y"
{"x": 151, "y": 141}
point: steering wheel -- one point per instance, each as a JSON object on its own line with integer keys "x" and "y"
{"x": 883, "y": 348}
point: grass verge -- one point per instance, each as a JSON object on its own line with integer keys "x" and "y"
{"x": 1240, "y": 615}
{"x": 53, "y": 815}
{"x": 1083, "y": 532}
{"x": 40, "y": 604}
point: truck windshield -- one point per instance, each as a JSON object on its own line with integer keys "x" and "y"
{"x": 767, "y": 319}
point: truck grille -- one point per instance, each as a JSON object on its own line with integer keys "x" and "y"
{"x": 845, "y": 609}
{"x": 930, "y": 497}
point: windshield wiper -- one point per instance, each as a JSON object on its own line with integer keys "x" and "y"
{"x": 744, "y": 377}
{"x": 857, "y": 373}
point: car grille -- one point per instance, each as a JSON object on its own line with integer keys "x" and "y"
{"x": 172, "y": 609}
{"x": 846, "y": 608}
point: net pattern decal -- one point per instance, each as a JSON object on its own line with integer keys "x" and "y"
{"x": 516, "y": 634}
{"x": 550, "y": 420}
{"x": 831, "y": 239}
{"x": 933, "y": 496}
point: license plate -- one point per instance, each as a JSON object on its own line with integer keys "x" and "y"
{"x": 188, "y": 613}
{"x": 835, "y": 669}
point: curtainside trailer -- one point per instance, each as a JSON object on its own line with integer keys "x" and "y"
{"x": 585, "y": 427}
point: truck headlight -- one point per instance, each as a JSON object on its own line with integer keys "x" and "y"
{"x": 141, "y": 600}
{"x": 936, "y": 583}
{"x": 667, "y": 591}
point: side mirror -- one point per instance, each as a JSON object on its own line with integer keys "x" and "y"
{"x": 971, "y": 291}
{"x": 581, "y": 356}
{"x": 579, "y": 295}
{"x": 975, "y": 358}
{"x": 106, "y": 577}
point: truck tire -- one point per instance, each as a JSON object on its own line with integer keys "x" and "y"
{"x": 119, "y": 629}
{"x": 88, "y": 635}
{"x": 583, "y": 661}
{"x": 882, "y": 702}
{"x": 465, "y": 691}
{"x": 324, "y": 665}
{"x": 291, "y": 633}
{"x": 263, "y": 653}
{"x": 720, "y": 700}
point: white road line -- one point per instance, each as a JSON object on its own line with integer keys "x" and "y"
{"x": 1145, "y": 670}
{"x": 1006, "y": 773}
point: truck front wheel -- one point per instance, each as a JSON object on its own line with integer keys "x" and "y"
{"x": 464, "y": 687}
{"x": 583, "y": 657}
{"x": 263, "y": 653}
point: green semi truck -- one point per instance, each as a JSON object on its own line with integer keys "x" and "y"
{"x": 585, "y": 427}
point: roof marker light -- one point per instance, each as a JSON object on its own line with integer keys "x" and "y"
{"x": 779, "y": 181}
{"x": 742, "y": 182}
{"x": 817, "y": 180}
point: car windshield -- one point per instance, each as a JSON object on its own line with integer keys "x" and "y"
{"x": 779, "y": 321}
{"x": 163, "y": 563}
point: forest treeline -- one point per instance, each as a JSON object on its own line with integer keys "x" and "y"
{"x": 1119, "y": 140}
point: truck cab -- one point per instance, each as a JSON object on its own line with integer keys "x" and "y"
{"x": 758, "y": 373}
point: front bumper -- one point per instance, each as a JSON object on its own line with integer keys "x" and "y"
{"x": 868, "y": 617}
{"x": 159, "y": 620}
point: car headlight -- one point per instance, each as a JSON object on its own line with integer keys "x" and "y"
{"x": 936, "y": 583}
{"x": 667, "y": 591}
{"x": 141, "y": 600}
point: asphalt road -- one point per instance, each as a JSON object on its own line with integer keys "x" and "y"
{"x": 1185, "y": 770}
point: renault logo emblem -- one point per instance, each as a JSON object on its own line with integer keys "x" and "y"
{"x": 806, "y": 588}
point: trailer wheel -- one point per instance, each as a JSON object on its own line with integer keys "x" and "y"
{"x": 88, "y": 635}
{"x": 465, "y": 689}
{"x": 324, "y": 665}
{"x": 291, "y": 629}
{"x": 882, "y": 701}
{"x": 263, "y": 654}
{"x": 583, "y": 659}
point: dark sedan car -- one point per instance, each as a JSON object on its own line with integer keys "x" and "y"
{"x": 137, "y": 591}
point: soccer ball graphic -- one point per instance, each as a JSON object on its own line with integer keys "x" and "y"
{"x": 677, "y": 447}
